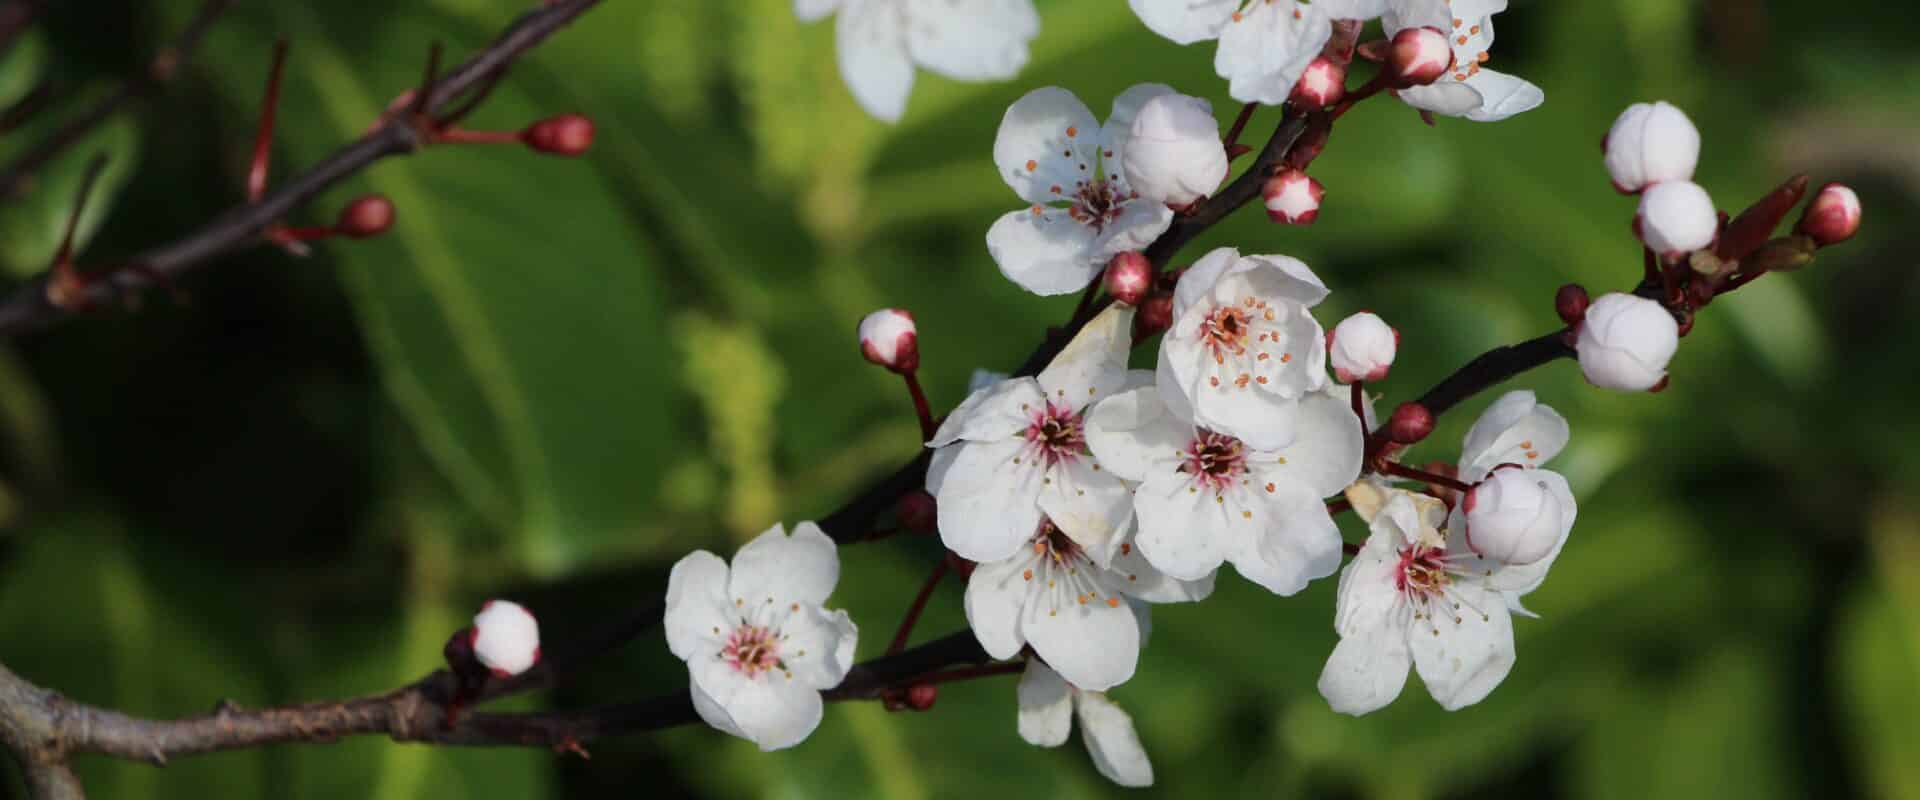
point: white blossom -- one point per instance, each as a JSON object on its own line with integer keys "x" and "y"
{"x": 1472, "y": 90}
{"x": 1265, "y": 45}
{"x": 1650, "y": 143}
{"x": 506, "y": 638}
{"x": 1174, "y": 154}
{"x": 1081, "y": 211}
{"x": 1017, "y": 450}
{"x": 1048, "y": 704}
{"x": 1244, "y": 347}
{"x": 880, "y": 42}
{"x": 1676, "y": 218}
{"x": 1518, "y": 515}
{"x": 758, "y": 644}
{"x": 1205, "y": 497}
{"x": 1518, "y": 430}
{"x": 1625, "y": 342}
{"x": 1362, "y": 347}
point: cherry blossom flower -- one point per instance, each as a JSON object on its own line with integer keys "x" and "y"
{"x": 1471, "y": 90}
{"x": 1244, "y": 347}
{"x": 1362, "y": 347}
{"x": 1676, "y": 218}
{"x": 1048, "y": 704}
{"x": 880, "y": 42}
{"x": 506, "y": 638}
{"x": 1082, "y": 615}
{"x": 1265, "y": 45}
{"x": 758, "y": 644}
{"x": 1206, "y": 497}
{"x": 1518, "y": 431}
{"x": 1174, "y": 154}
{"x": 1650, "y": 143}
{"x": 1626, "y": 341}
{"x": 1017, "y": 449}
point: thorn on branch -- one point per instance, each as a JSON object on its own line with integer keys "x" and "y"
{"x": 263, "y": 139}
{"x": 67, "y": 287}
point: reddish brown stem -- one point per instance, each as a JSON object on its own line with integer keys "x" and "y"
{"x": 1339, "y": 506}
{"x": 920, "y": 406}
{"x": 1404, "y": 471}
{"x": 1232, "y": 139}
{"x": 1366, "y": 90}
{"x": 969, "y": 673}
{"x": 263, "y": 140}
{"x": 919, "y": 604}
{"x": 465, "y": 136}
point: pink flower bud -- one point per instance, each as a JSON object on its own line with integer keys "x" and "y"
{"x": 917, "y": 512}
{"x": 1518, "y": 515}
{"x": 1626, "y": 341}
{"x": 1419, "y": 57}
{"x": 1571, "y": 303}
{"x": 1650, "y": 143}
{"x": 1833, "y": 216}
{"x": 1676, "y": 218}
{"x": 367, "y": 215}
{"x": 889, "y": 338}
{"x": 1322, "y": 84}
{"x": 564, "y": 135}
{"x": 1154, "y": 316}
{"x": 921, "y": 696}
{"x": 506, "y": 639}
{"x": 1362, "y": 347}
{"x": 1174, "y": 154}
{"x": 1410, "y": 423}
{"x": 1293, "y": 198}
{"x": 1129, "y": 277}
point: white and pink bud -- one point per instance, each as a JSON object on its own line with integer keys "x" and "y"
{"x": 1518, "y": 515}
{"x": 1361, "y": 348}
{"x": 1293, "y": 198}
{"x": 889, "y": 338}
{"x": 1129, "y": 277}
{"x": 1419, "y": 57}
{"x": 1832, "y": 217}
{"x": 506, "y": 638}
{"x": 1173, "y": 153}
{"x": 1625, "y": 342}
{"x": 1322, "y": 84}
{"x": 1651, "y": 143}
{"x": 1676, "y": 218}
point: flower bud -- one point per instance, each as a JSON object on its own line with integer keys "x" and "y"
{"x": 921, "y": 696}
{"x": 1742, "y": 235}
{"x": 1129, "y": 277}
{"x": 1571, "y": 303}
{"x": 1361, "y": 348}
{"x": 1293, "y": 198}
{"x": 1154, "y": 316}
{"x": 506, "y": 639}
{"x": 1516, "y": 516}
{"x": 1322, "y": 84}
{"x": 1625, "y": 342}
{"x": 1675, "y": 218}
{"x": 564, "y": 135}
{"x": 1833, "y": 216}
{"x": 1419, "y": 57}
{"x": 889, "y": 338}
{"x": 367, "y": 215}
{"x": 1173, "y": 152}
{"x": 1410, "y": 423}
{"x": 916, "y": 511}
{"x": 1650, "y": 143}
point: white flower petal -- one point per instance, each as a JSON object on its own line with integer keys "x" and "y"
{"x": 1044, "y": 251}
{"x": 1092, "y": 644}
{"x": 770, "y": 709}
{"x": 995, "y": 594}
{"x": 1446, "y": 97}
{"x": 710, "y": 710}
{"x": 1326, "y": 450}
{"x": 1043, "y": 141}
{"x": 971, "y": 39}
{"x": 1089, "y": 505}
{"x": 1263, "y": 52}
{"x": 1516, "y": 429}
{"x": 1366, "y": 671}
{"x": 1367, "y": 595}
{"x": 1295, "y": 541}
{"x": 1140, "y": 222}
{"x": 1132, "y": 434}
{"x": 988, "y": 505}
{"x": 1462, "y": 656}
{"x": 1119, "y": 126}
{"x": 817, "y": 646}
{"x": 1094, "y": 364}
{"x": 1146, "y": 582}
{"x": 1502, "y": 96}
{"x": 872, "y": 49}
{"x": 801, "y": 568}
{"x": 991, "y": 414}
{"x": 1112, "y": 742}
{"x": 1296, "y": 281}
{"x": 1183, "y": 532}
{"x": 1046, "y": 706}
{"x": 1185, "y": 21}
{"x": 699, "y": 614}
{"x": 1196, "y": 284}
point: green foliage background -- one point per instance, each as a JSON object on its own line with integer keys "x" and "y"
{"x": 554, "y": 377}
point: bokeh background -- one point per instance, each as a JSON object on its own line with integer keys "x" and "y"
{"x": 554, "y": 377}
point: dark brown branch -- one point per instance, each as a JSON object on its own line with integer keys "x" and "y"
{"x": 1490, "y": 369}
{"x": 165, "y": 64}
{"x": 28, "y": 309}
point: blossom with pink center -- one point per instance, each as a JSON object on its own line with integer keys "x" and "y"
{"x": 1244, "y": 347}
{"x": 1470, "y": 90}
{"x": 1016, "y": 450}
{"x": 1081, "y": 210}
{"x": 759, "y": 645}
{"x": 1206, "y": 497}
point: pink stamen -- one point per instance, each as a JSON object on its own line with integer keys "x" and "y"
{"x": 1215, "y": 460}
{"x": 1058, "y": 433}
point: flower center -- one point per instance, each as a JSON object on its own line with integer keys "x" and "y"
{"x": 1225, "y": 331}
{"x": 1098, "y": 202}
{"x": 1058, "y": 433}
{"x": 1422, "y": 573}
{"x": 1065, "y": 575}
{"x": 752, "y": 649}
{"x": 1215, "y": 460}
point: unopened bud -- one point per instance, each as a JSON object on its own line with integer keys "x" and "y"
{"x": 506, "y": 638}
{"x": 367, "y": 215}
{"x": 1322, "y": 84}
{"x": 1174, "y": 154}
{"x": 1518, "y": 515}
{"x": 1361, "y": 348}
{"x": 1154, "y": 316}
{"x": 889, "y": 338}
{"x": 921, "y": 696}
{"x": 1419, "y": 57}
{"x": 1571, "y": 303}
{"x": 1626, "y": 341}
{"x": 1676, "y": 218}
{"x": 1129, "y": 277}
{"x": 1650, "y": 143}
{"x": 1833, "y": 216}
{"x": 1410, "y": 423}
{"x": 564, "y": 135}
{"x": 1293, "y": 198}
{"x": 917, "y": 512}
